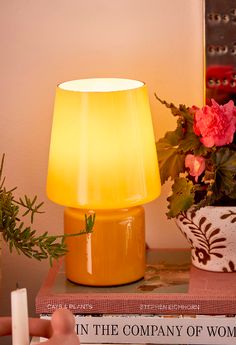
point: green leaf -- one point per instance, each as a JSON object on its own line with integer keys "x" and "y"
{"x": 232, "y": 194}
{"x": 225, "y": 166}
{"x": 182, "y": 197}
{"x": 171, "y": 161}
{"x": 182, "y": 110}
{"x": 225, "y": 158}
{"x": 191, "y": 143}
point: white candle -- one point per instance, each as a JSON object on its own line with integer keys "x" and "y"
{"x": 19, "y": 313}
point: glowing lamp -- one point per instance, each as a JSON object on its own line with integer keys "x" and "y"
{"x": 103, "y": 158}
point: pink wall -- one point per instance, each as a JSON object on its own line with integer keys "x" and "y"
{"x": 46, "y": 42}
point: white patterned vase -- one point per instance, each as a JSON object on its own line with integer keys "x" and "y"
{"x": 211, "y": 232}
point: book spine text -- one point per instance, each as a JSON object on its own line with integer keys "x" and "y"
{"x": 217, "y": 330}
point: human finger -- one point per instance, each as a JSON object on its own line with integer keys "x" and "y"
{"x": 37, "y": 327}
{"x": 63, "y": 329}
{"x": 63, "y": 322}
{"x": 5, "y": 326}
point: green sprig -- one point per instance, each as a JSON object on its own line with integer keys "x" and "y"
{"x": 23, "y": 238}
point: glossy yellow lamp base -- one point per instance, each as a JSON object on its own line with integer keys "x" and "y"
{"x": 113, "y": 254}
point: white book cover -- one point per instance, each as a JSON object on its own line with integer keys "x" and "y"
{"x": 201, "y": 329}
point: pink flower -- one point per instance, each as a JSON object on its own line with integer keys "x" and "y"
{"x": 216, "y": 124}
{"x": 196, "y": 165}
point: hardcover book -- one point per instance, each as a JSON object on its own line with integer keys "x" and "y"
{"x": 170, "y": 286}
{"x": 154, "y": 329}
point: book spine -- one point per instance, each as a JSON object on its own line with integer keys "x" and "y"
{"x": 153, "y": 329}
{"x": 108, "y": 305}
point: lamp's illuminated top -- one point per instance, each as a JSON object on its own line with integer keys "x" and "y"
{"x": 100, "y": 85}
{"x": 102, "y": 152}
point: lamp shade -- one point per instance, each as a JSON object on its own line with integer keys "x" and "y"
{"x": 102, "y": 151}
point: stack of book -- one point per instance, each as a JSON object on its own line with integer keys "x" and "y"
{"x": 175, "y": 303}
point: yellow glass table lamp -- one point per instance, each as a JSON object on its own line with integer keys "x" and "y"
{"x": 103, "y": 158}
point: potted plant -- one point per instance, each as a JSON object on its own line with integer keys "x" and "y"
{"x": 22, "y": 237}
{"x": 199, "y": 157}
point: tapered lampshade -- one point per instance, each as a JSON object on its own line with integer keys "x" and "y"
{"x": 102, "y": 153}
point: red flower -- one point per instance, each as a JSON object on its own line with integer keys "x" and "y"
{"x": 216, "y": 124}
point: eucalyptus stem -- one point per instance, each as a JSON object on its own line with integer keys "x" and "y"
{"x": 23, "y": 238}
